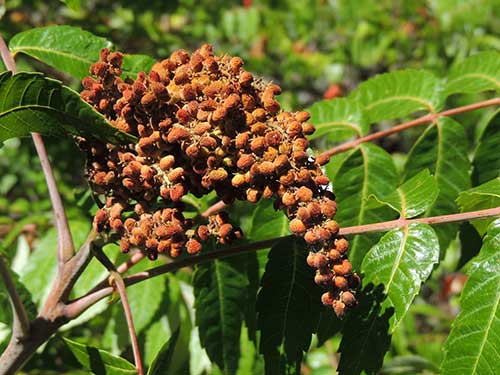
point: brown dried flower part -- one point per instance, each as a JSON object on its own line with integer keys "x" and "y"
{"x": 205, "y": 124}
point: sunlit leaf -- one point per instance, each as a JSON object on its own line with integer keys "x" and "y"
{"x": 414, "y": 196}
{"x": 402, "y": 260}
{"x": 368, "y": 170}
{"x": 66, "y": 48}
{"x": 442, "y": 149}
{"x": 397, "y": 94}
{"x": 339, "y": 119}
{"x": 477, "y": 73}
{"x": 472, "y": 346}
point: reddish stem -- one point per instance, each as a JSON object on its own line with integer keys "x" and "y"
{"x": 117, "y": 281}
{"x": 407, "y": 125}
{"x": 65, "y": 247}
{"x": 133, "y": 260}
{"x": 78, "y": 306}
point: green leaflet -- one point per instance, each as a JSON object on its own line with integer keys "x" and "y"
{"x": 476, "y": 73}
{"x": 338, "y": 119}
{"x": 442, "y": 149}
{"x": 486, "y": 162}
{"x": 98, "y": 361}
{"x": 413, "y": 197}
{"x": 161, "y": 364}
{"x": 71, "y": 49}
{"x": 368, "y": 170}
{"x": 220, "y": 300}
{"x": 400, "y": 93}
{"x": 365, "y": 337}
{"x": 66, "y": 48}
{"x": 481, "y": 197}
{"x": 472, "y": 346}
{"x": 288, "y": 307}
{"x": 29, "y": 102}
{"x": 402, "y": 260}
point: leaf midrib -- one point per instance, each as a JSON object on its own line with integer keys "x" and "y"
{"x": 290, "y": 291}
{"x": 24, "y": 49}
{"x": 425, "y": 103}
{"x": 348, "y": 124}
{"x": 221, "y": 313}
{"x": 475, "y": 75}
{"x": 487, "y": 331}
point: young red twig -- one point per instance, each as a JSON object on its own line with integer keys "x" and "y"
{"x": 65, "y": 247}
{"x": 117, "y": 282}
{"x": 133, "y": 260}
{"x": 410, "y": 124}
{"x": 444, "y": 219}
{"x": 21, "y": 323}
{"x": 79, "y": 305}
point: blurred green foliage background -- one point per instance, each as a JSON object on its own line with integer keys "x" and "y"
{"x": 314, "y": 49}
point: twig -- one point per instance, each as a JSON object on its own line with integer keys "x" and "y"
{"x": 21, "y": 323}
{"x": 78, "y": 306}
{"x": 51, "y": 316}
{"x": 410, "y": 124}
{"x": 132, "y": 261}
{"x": 65, "y": 247}
{"x": 453, "y": 218}
{"x": 117, "y": 281}
{"x": 7, "y": 58}
{"x": 216, "y": 207}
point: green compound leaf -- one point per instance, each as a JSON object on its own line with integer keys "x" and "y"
{"x": 414, "y": 196}
{"x": 397, "y": 94}
{"x": 98, "y": 361}
{"x": 481, "y": 197}
{"x": 368, "y": 170}
{"x": 402, "y": 260}
{"x": 339, "y": 119}
{"x": 288, "y": 307}
{"x": 220, "y": 302}
{"x": 472, "y": 346}
{"x": 161, "y": 363}
{"x": 66, "y": 48}
{"x": 480, "y": 72}
{"x": 486, "y": 162}
{"x": 29, "y": 102}
{"x": 442, "y": 149}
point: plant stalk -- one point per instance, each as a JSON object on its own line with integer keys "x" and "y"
{"x": 102, "y": 290}
{"x": 407, "y": 125}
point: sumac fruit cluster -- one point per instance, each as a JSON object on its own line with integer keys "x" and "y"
{"x": 206, "y": 124}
